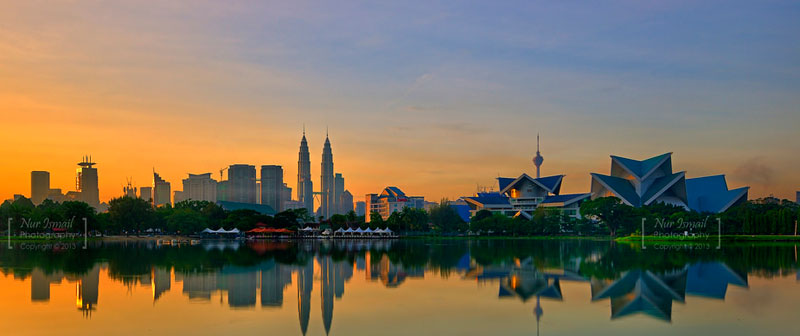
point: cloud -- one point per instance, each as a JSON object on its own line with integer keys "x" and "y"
{"x": 756, "y": 172}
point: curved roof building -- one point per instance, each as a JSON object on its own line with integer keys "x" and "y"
{"x": 638, "y": 183}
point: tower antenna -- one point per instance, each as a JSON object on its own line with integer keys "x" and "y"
{"x": 538, "y": 159}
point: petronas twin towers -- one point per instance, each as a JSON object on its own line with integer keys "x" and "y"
{"x": 305, "y": 187}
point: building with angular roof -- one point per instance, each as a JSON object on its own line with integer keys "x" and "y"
{"x": 639, "y": 183}
{"x": 521, "y": 196}
{"x": 391, "y": 199}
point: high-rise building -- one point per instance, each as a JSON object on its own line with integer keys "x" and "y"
{"x": 178, "y": 196}
{"x": 242, "y": 184}
{"x": 361, "y": 209}
{"x": 86, "y": 182}
{"x": 305, "y": 188}
{"x": 55, "y": 195}
{"x": 40, "y": 186}
{"x": 146, "y": 193}
{"x": 328, "y": 202}
{"x": 161, "y": 190}
{"x": 272, "y": 187}
{"x": 286, "y": 196}
{"x": 199, "y": 187}
{"x": 129, "y": 190}
{"x": 345, "y": 202}
{"x": 797, "y": 200}
{"x": 338, "y": 189}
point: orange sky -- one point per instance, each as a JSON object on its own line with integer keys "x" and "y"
{"x": 192, "y": 90}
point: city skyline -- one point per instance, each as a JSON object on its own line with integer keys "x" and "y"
{"x": 478, "y": 187}
{"x": 414, "y": 97}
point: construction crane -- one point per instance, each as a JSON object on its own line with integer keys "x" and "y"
{"x": 221, "y": 171}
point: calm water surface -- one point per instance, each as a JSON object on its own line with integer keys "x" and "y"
{"x": 400, "y": 287}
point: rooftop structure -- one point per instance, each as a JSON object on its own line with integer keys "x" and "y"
{"x": 86, "y": 182}
{"x": 639, "y": 183}
{"x": 521, "y": 196}
{"x": 391, "y": 199}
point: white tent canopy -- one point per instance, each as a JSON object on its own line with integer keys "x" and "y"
{"x": 221, "y": 230}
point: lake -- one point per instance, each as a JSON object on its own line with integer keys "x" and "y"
{"x": 400, "y": 287}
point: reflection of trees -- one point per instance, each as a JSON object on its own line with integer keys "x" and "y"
{"x": 597, "y": 259}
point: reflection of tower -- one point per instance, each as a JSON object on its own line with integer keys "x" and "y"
{"x": 273, "y": 281}
{"x": 305, "y": 188}
{"x": 86, "y": 182}
{"x": 305, "y": 283}
{"x": 328, "y": 286}
{"x": 538, "y": 311}
{"x": 242, "y": 285}
{"x": 40, "y": 285}
{"x": 87, "y": 291}
{"x": 161, "y": 282}
{"x": 328, "y": 201}
{"x": 538, "y": 159}
{"x": 343, "y": 271}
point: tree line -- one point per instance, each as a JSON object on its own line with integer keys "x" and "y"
{"x": 605, "y": 216}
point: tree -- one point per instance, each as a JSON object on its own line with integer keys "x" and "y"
{"x": 130, "y": 214}
{"x": 79, "y": 211}
{"x": 186, "y": 221}
{"x": 445, "y": 219}
{"x": 376, "y": 220}
{"x": 610, "y": 211}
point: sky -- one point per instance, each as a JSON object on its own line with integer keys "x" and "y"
{"x": 435, "y": 97}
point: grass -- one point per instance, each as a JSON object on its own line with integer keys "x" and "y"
{"x": 726, "y": 238}
{"x": 17, "y": 239}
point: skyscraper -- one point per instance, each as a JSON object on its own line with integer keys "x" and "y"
{"x": 242, "y": 183}
{"x": 86, "y": 182}
{"x": 200, "y": 187}
{"x": 328, "y": 203}
{"x": 305, "y": 188}
{"x": 272, "y": 186}
{"x": 338, "y": 189}
{"x": 40, "y": 186}
{"x": 161, "y": 190}
{"x": 346, "y": 202}
{"x": 146, "y": 193}
{"x": 361, "y": 209}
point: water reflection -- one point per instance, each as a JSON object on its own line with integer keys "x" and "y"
{"x": 249, "y": 275}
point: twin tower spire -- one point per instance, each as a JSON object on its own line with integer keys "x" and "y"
{"x": 305, "y": 187}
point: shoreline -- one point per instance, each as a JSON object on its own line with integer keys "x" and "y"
{"x": 626, "y": 239}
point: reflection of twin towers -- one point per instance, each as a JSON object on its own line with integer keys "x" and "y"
{"x": 332, "y": 277}
{"x": 86, "y": 287}
{"x": 242, "y": 284}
